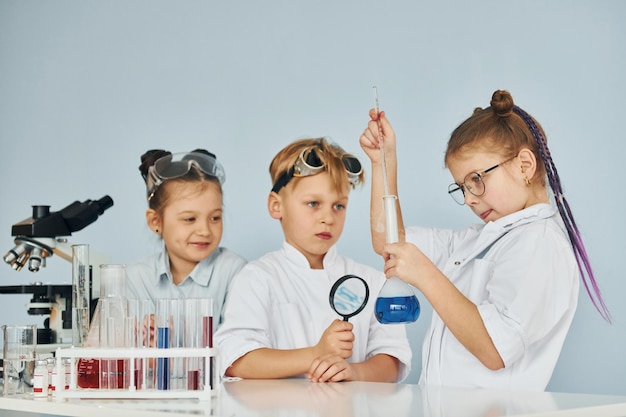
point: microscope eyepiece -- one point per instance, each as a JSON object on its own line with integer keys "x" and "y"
{"x": 40, "y": 211}
{"x": 79, "y": 215}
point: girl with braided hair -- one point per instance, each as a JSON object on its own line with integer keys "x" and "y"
{"x": 504, "y": 292}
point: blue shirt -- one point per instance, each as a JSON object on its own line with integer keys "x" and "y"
{"x": 151, "y": 278}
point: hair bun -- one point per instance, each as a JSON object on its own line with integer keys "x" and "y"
{"x": 204, "y": 151}
{"x": 149, "y": 158}
{"x": 502, "y": 103}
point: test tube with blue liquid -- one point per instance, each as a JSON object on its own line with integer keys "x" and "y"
{"x": 163, "y": 342}
{"x": 396, "y": 302}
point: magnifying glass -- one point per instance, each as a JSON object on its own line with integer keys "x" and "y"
{"x": 349, "y": 295}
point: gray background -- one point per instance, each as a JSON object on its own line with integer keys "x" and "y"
{"x": 86, "y": 87}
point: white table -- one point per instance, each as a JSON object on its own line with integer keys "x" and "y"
{"x": 299, "y": 397}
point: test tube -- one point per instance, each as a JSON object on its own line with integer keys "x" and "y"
{"x": 108, "y": 367}
{"x": 103, "y": 310}
{"x": 147, "y": 340}
{"x": 206, "y": 314}
{"x": 177, "y": 327}
{"x": 193, "y": 339}
{"x": 163, "y": 325}
{"x": 80, "y": 294}
{"x": 112, "y": 363}
{"x": 133, "y": 340}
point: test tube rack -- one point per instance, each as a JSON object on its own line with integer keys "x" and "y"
{"x": 132, "y": 392}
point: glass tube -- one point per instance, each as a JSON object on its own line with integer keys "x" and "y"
{"x": 177, "y": 328}
{"x": 163, "y": 318}
{"x": 193, "y": 332}
{"x": 108, "y": 367}
{"x": 133, "y": 340}
{"x": 113, "y": 296}
{"x": 80, "y": 294}
{"x": 206, "y": 315}
{"x": 148, "y": 340}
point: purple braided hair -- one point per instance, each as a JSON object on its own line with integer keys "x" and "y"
{"x": 584, "y": 266}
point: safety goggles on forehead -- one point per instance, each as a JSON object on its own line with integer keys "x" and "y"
{"x": 174, "y": 166}
{"x": 309, "y": 163}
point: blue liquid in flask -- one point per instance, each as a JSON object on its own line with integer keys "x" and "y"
{"x": 397, "y": 309}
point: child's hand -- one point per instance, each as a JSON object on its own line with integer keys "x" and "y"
{"x": 331, "y": 368}
{"x": 337, "y": 339}
{"x": 405, "y": 261}
{"x": 369, "y": 140}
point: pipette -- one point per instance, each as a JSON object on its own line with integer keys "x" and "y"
{"x": 396, "y": 302}
{"x": 389, "y": 200}
{"x": 383, "y": 162}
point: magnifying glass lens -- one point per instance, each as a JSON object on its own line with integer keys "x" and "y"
{"x": 348, "y": 296}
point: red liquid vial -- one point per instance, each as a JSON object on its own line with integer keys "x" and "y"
{"x": 88, "y": 373}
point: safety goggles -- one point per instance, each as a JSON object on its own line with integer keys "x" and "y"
{"x": 176, "y": 165}
{"x": 309, "y": 163}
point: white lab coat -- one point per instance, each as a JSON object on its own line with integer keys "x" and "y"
{"x": 279, "y": 302}
{"x": 522, "y": 274}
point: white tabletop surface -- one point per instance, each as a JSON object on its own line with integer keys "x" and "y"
{"x": 299, "y": 397}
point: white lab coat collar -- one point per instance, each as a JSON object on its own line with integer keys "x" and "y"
{"x": 295, "y": 256}
{"x": 492, "y": 231}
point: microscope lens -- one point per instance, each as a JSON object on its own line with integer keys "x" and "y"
{"x": 34, "y": 264}
{"x": 14, "y": 254}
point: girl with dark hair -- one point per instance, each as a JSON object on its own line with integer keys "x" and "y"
{"x": 504, "y": 292}
{"x": 184, "y": 193}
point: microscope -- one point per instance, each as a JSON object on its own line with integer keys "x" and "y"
{"x": 39, "y": 237}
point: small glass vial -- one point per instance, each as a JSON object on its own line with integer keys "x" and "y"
{"x": 40, "y": 378}
{"x": 54, "y": 378}
{"x": 51, "y": 365}
{"x": 67, "y": 369}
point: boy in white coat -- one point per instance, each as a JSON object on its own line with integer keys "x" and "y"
{"x": 278, "y": 322}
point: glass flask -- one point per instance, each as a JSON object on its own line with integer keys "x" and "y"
{"x": 112, "y": 308}
{"x": 396, "y": 302}
{"x": 107, "y": 330}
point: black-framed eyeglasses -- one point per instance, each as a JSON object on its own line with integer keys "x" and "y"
{"x": 473, "y": 182}
{"x": 309, "y": 163}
